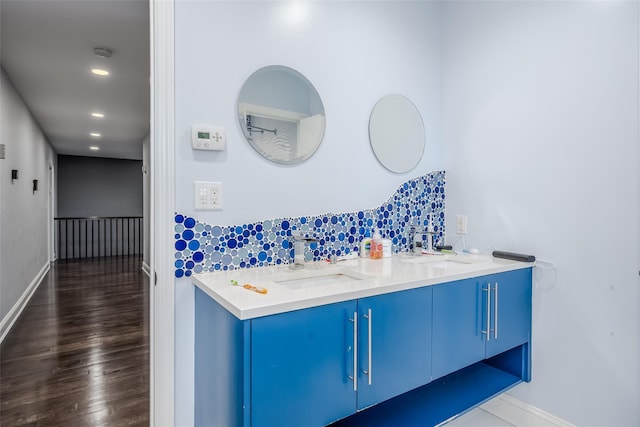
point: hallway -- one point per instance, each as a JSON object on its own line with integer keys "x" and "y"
{"x": 79, "y": 353}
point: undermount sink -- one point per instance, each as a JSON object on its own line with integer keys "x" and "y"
{"x": 439, "y": 261}
{"x": 307, "y": 278}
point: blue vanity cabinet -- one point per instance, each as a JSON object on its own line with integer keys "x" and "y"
{"x": 457, "y": 324}
{"x": 475, "y": 319}
{"x": 394, "y": 344}
{"x": 418, "y": 356}
{"x": 301, "y": 362}
{"x": 511, "y": 322}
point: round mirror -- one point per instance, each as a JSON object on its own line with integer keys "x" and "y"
{"x": 281, "y": 114}
{"x": 396, "y": 133}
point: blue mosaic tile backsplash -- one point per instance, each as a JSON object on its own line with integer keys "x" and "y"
{"x": 203, "y": 247}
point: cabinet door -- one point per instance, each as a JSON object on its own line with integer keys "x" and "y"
{"x": 394, "y": 344}
{"x": 300, "y": 367}
{"x": 510, "y": 310}
{"x": 457, "y": 340}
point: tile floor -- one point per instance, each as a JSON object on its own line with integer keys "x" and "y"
{"x": 479, "y": 418}
{"x": 502, "y": 412}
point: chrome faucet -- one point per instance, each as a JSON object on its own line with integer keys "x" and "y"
{"x": 299, "y": 243}
{"x": 416, "y": 239}
{"x": 414, "y": 246}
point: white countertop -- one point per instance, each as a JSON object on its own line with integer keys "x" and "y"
{"x": 356, "y": 278}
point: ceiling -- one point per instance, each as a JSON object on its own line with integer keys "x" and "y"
{"x": 47, "y": 50}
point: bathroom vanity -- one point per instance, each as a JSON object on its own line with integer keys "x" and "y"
{"x": 407, "y": 340}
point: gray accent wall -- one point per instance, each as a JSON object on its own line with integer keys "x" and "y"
{"x": 94, "y": 186}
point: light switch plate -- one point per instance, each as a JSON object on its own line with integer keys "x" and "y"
{"x": 2, "y": 151}
{"x": 207, "y": 195}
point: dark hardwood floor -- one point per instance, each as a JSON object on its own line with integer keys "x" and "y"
{"x": 79, "y": 353}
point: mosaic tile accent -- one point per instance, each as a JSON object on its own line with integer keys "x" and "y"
{"x": 203, "y": 247}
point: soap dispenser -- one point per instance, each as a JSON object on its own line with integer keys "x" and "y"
{"x": 376, "y": 245}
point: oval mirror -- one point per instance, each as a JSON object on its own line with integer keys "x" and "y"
{"x": 281, "y": 114}
{"x": 396, "y": 133}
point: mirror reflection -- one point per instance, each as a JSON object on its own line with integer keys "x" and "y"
{"x": 396, "y": 133}
{"x": 281, "y": 114}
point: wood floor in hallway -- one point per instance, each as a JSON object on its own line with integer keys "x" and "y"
{"x": 79, "y": 353}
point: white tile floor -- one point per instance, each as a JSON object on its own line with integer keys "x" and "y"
{"x": 504, "y": 411}
{"x": 479, "y": 418}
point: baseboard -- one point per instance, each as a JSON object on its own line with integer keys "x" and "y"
{"x": 146, "y": 269}
{"x": 520, "y": 413}
{"x": 13, "y": 314}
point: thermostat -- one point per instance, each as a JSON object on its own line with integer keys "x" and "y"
{"x": 207, "y": 138}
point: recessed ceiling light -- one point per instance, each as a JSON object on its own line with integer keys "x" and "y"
{"x": 94, "y": 148}
{"x": 99, "y": 72}
{"x": 103, "y": 52}
{"x": 100, "y": 115}
{"x": 95, "y": 134}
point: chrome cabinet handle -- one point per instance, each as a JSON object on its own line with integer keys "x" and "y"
{"x": 488, "y": 331}
{"x": 355, "y": 351}
{"x": 369, "y": 317}
{"x": 495, "y": 312}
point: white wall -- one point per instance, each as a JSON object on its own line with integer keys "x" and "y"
{"x": 146, "y": 202}
{"x": 354, "y": 53}
{"x": 541, "y": 151}
{"x": 23, "y": 214}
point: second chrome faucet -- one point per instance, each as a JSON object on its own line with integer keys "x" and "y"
{"x": 416, "y": 239}
{"x": 300, "y": 241}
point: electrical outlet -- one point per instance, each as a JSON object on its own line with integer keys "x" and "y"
{"x": 215, "y": 195}
{"x": 207, "y": 195}
{"x": 461, "y": 224}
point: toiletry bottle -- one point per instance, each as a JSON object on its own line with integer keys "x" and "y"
{"x": 387, "y": 246}
{"x": 365, "y": 245}
{"x": 376, "y": 245}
